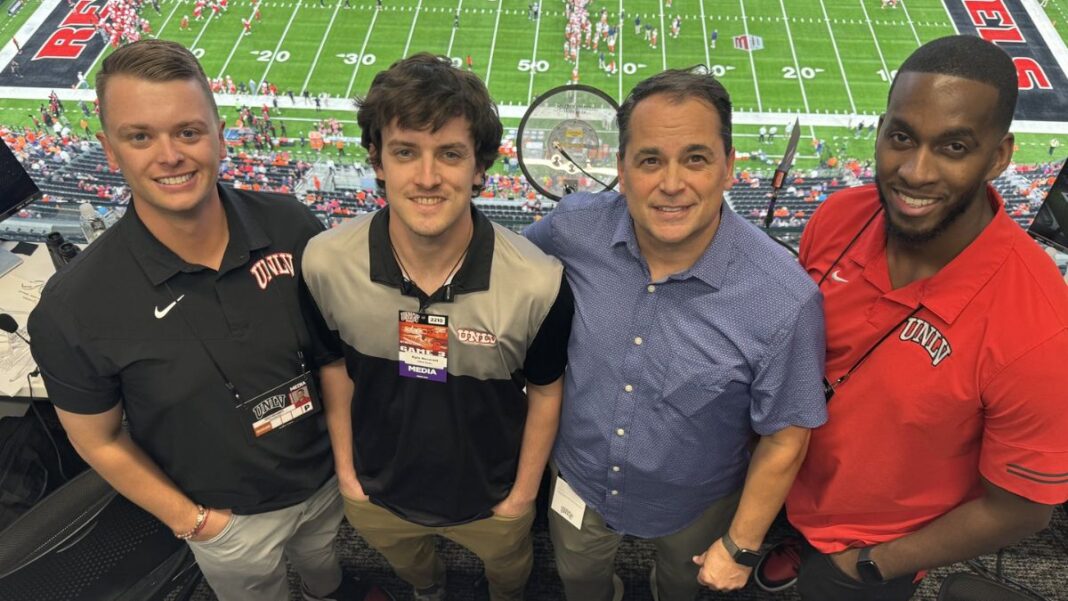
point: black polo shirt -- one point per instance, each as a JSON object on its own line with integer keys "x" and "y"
{"x": 128, "y": 322}
{"x": 442, "y": 453}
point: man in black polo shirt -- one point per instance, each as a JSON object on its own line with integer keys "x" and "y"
{"x": 444, "y": 317}
{"x": 189, "y": 317}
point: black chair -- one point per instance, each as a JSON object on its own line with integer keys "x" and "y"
{"x": 964, "y": 586}
{"x": 85, "y": 542}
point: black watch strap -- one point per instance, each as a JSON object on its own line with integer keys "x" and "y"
{"x": 740, "y": 556}
{"x": 867, "y": 568}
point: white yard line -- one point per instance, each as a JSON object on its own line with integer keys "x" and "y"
{"x": 452, "y": 37}
{"x": 363, "y": 48}
{"x": 202, "y": 30}
{"x": 752, "y": 63}
{"x": 493, "y": 44}
{"x": 534, "y": 59}
{"x": 793, "y": 52}
{"x": 908, "y": 17}
{"x": 838, "y": 56}
{"x": 875, "y": 39}
{"x": 177, "y": 4}
{"x": 663, "y": 39}
{"x": 281, "y": 39}
{"x": 704, "y": 36}
{"x": 411, "y": 30}
{"x": 240, "y": 36}
{"x": 322, "y": 43}
{"x": 619, "y": 44}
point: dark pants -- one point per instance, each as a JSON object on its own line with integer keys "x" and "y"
{"x": 821, "y": 580}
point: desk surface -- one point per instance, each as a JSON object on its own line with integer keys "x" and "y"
{"x": 20, "y": 289}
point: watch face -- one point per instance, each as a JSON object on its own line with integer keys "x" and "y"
{"x": 748, "y": 559}
{"x": 869, "y": 572}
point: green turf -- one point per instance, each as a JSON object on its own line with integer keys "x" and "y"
{"x": 819, "y": 56}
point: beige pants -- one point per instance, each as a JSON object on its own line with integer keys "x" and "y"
{"x": 503, "y": 544}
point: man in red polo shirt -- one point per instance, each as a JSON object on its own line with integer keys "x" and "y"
{"x": 947, "y": 329}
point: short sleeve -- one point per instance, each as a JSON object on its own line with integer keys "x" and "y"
{"x": 74, "y": 383}
{"x": 1025, "y": 432}
{"x": 324, "y": 344}
{"x": 313, "y": 280}
{"x": 788, "y": 388}
{"x": 541, "y": 234}
{"x": 547, "y": 356}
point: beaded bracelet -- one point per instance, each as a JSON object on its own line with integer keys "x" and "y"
{"x": 202, "y": 518}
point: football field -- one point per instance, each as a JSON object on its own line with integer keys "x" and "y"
{"x": 817, "y": 56}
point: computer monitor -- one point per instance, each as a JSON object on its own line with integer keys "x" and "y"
{"x": 16, "y": 191}
{"x": 1050, "y": 225}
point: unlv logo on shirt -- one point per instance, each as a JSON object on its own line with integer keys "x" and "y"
{"x": 267, "y": 268}
{"x": 927, "y": 336}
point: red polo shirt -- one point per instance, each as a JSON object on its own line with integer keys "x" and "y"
{"x": 972, "y": 384}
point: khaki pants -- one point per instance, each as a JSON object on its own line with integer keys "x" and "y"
{"x": 503, "y": 544}
{"x": 585, "y": 558}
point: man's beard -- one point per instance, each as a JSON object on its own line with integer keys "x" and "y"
{"x": 910, "y": 238}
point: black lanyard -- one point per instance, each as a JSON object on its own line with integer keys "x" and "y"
{"x": 828, "y": 386}
{"x": 226, "y": 379}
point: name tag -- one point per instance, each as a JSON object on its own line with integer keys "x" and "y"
{"x": 567, "y": 503}
{"x": 423, "y": 346}
{"x": 281, "y": 406}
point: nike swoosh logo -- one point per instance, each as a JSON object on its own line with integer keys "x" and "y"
{"x": 160, "y": 314}
{"x": 838, "y": 278}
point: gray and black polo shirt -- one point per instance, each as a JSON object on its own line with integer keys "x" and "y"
{"x": 441, "y": 453}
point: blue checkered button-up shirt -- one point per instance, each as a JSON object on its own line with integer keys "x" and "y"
{"x": 667, "y": 381}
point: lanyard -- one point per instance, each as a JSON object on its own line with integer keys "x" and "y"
{"x": 226, "y": 379}
{"x": 828, "y": 386}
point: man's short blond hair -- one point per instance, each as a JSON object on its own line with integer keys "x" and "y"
{"x": 153, "y": 60}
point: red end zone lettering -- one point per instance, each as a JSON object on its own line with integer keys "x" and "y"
{"x": 1030, "y": 74}
{"x": 993, "y": 20}
{"x": 84, "y": 14}
{"x": 77, "y": 28}
{"x": 65, "y": 44}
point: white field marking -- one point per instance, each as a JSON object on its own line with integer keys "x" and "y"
{"x": 838, "y": 56}
{"x": 619, "y": 44}
{"x": 534, "y": 59}
{"x": 411, "y": 31}
{"x": 752, "y": 63}
{"x": 793, "y": 52}
{"x": 908, "y": 18}
{"x": 363, "y": 49}
{"x": 281, "y": 39}
{"x": 240, "y": 37}
{"x": 875, "y": 38}
{"x": 168, "y": 20}
{"x": 322, "y": 43}
{"x": 493, "y": 44}
{"x": 704, "y": 36}
{"x": 452, "y": 36}
{"x": 202, "y": 30}
{"x": 663, "y": 38}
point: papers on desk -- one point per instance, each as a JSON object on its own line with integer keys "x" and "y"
{"x": 20, "y": 290}
{"x": 16, "y": 363}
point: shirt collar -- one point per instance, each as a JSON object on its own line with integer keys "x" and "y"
{"x": 474, "y": 274}
{"x": 949, "y": 291}
{"x": 161, "y": 263}
{"x": 711, "y": 267}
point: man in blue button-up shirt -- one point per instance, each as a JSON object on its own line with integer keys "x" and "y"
{"x": 694, "y": 335}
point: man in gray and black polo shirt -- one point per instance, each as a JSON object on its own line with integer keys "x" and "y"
{"x": 444, "y": 317}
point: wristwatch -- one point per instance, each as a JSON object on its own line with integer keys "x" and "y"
{"x": 867, "y": 568}
{"x": 740, "y": 556}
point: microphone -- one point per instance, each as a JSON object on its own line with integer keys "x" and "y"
{"x": 9, "y": 325}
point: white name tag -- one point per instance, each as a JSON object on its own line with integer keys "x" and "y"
{"x": 568, "y": 504}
